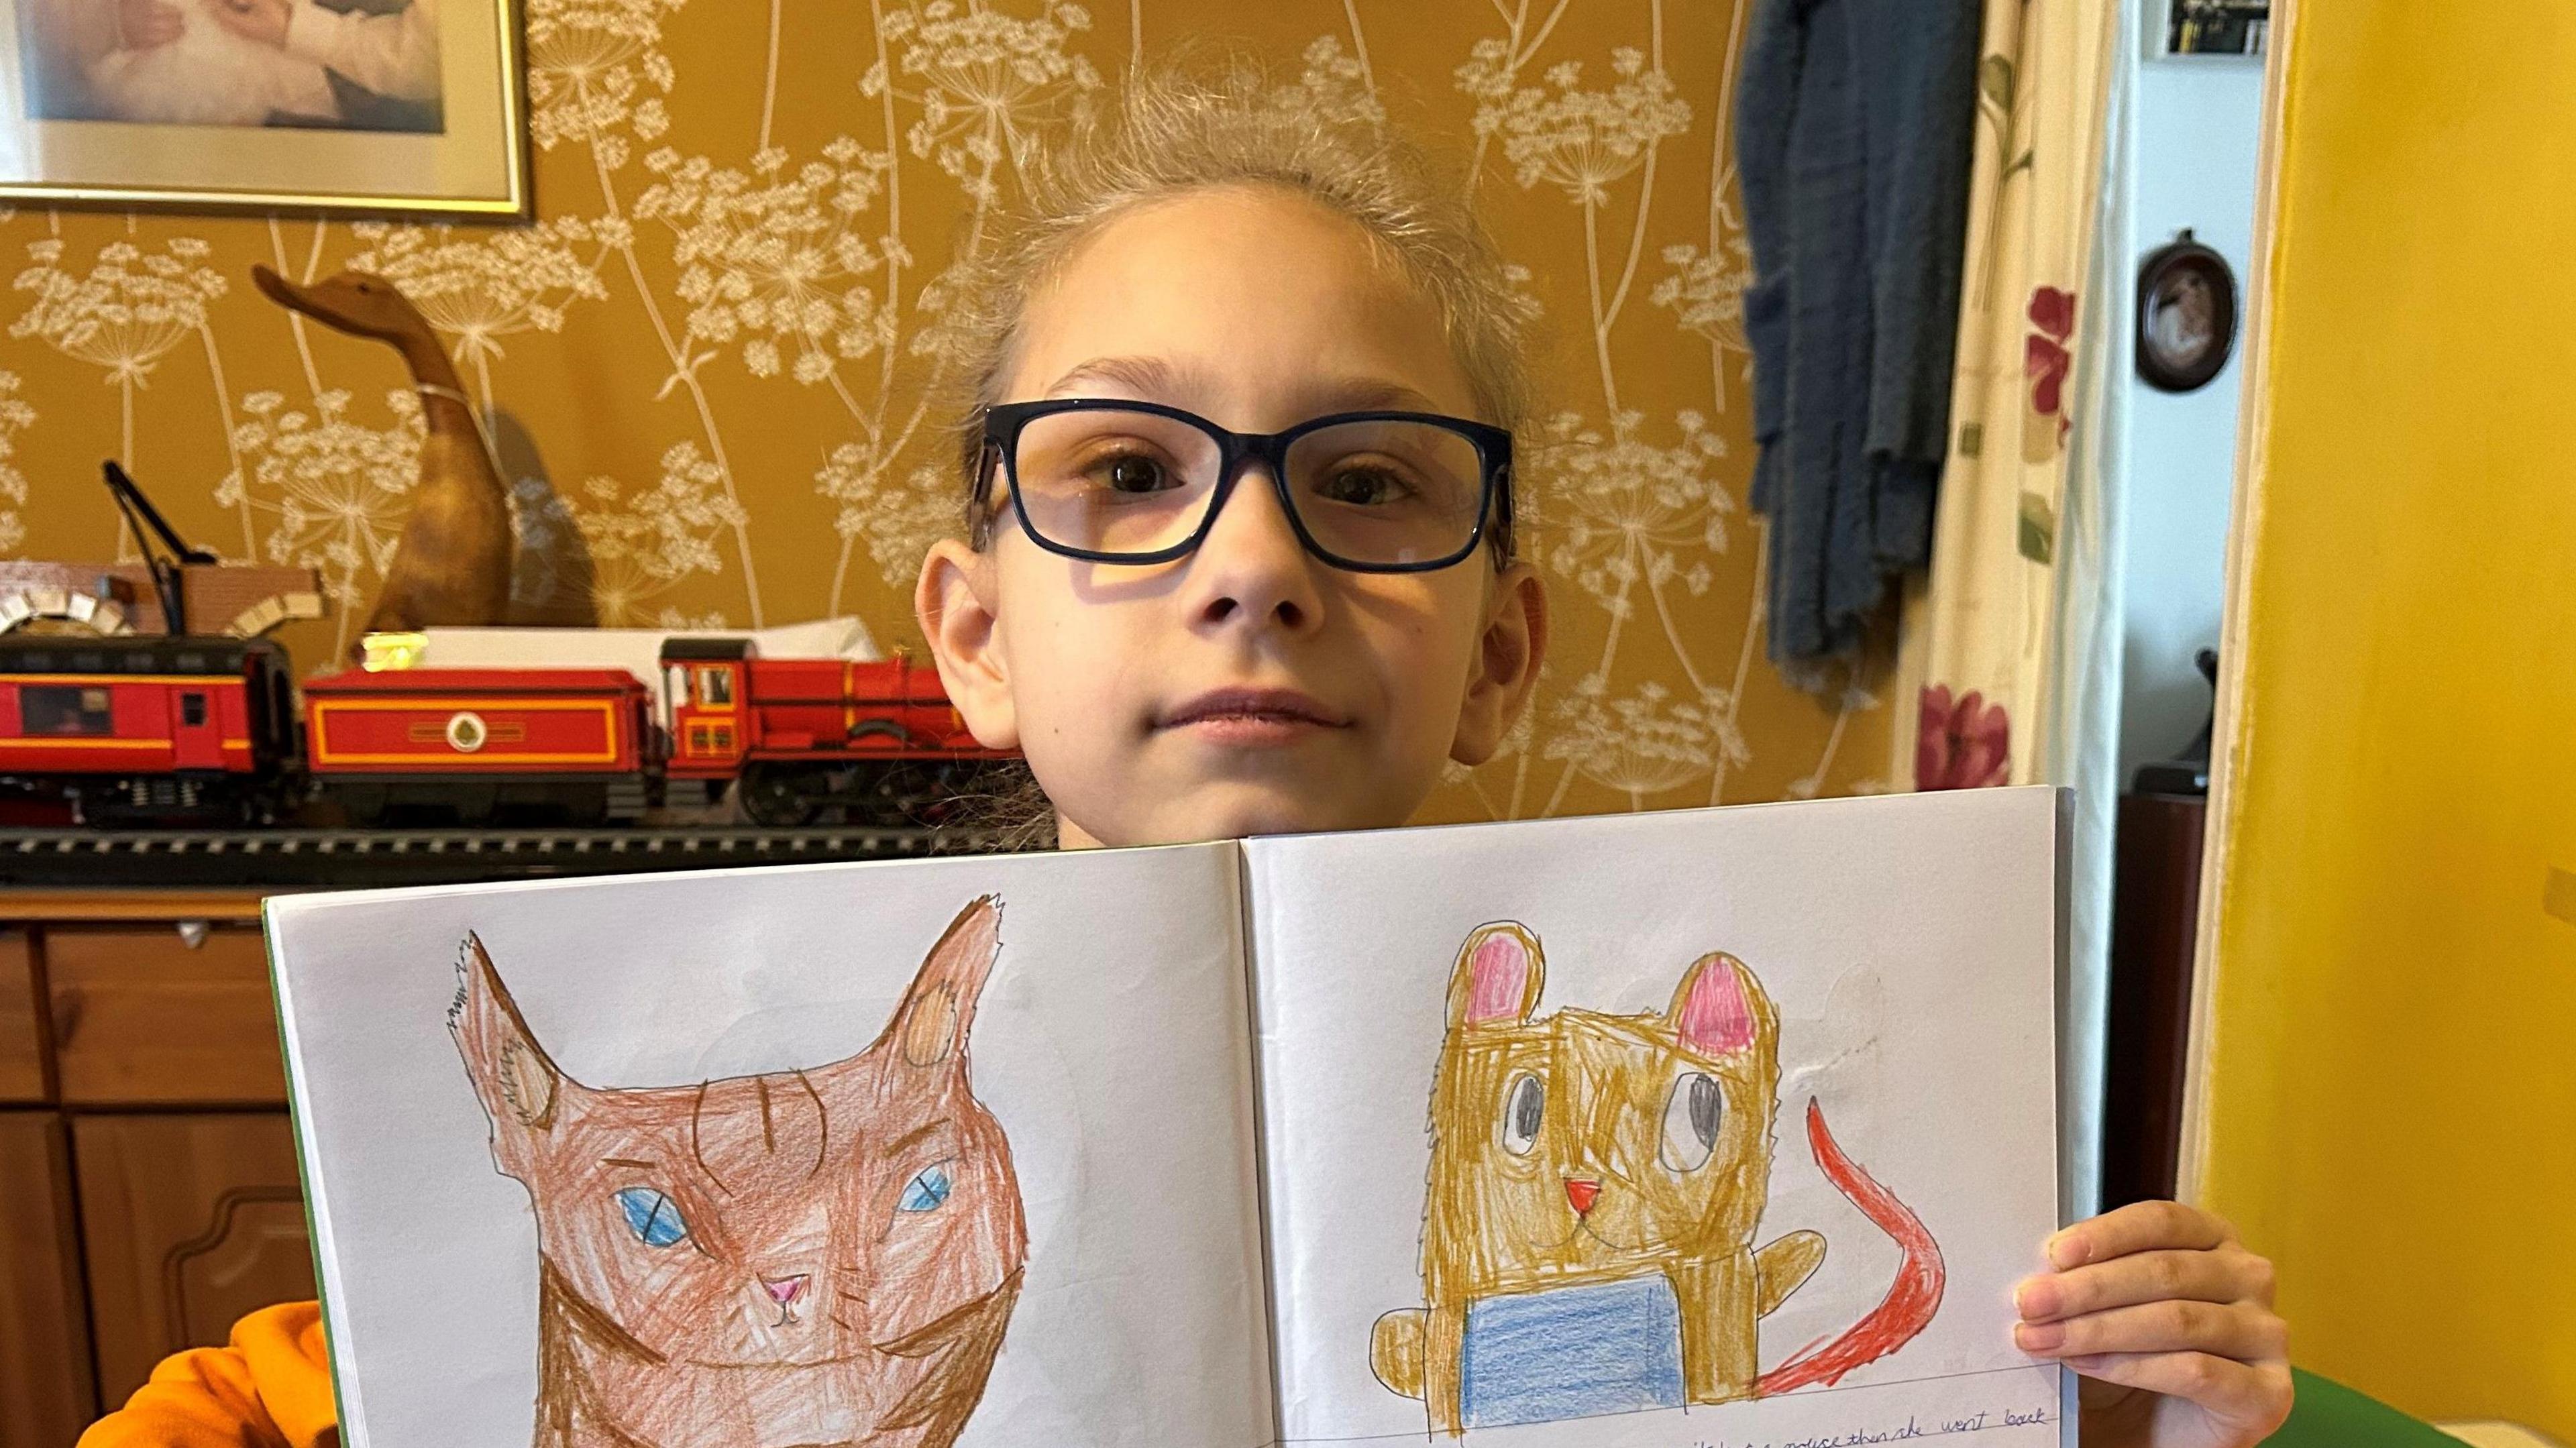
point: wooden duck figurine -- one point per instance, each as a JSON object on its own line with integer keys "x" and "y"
{"x": 452, "y": 563}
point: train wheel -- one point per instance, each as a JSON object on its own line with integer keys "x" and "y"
{"x": 778, "y": 797}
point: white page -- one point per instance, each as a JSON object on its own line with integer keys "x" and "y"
{"x": 1908, "y": 947}
{"x": 1108, "y": 1043}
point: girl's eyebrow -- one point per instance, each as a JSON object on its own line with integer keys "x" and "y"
{"x": 1142, "y": 376}
{"x": 1153, "y": 378}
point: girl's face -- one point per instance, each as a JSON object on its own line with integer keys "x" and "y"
{"x": 1249, "y": 687}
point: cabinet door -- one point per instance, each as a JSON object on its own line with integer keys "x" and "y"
{"x": 46, "y": 1393}
{"x": 22, "y": 1043}
{"x": 191, "y": 1221}
{"x": 143, "y": 1018}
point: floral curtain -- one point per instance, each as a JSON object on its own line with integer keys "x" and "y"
{"x": 1980, "y": 633}
{"x": 2010, "y": 647}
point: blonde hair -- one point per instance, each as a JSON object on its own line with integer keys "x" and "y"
{"x": 1177, "y": 131}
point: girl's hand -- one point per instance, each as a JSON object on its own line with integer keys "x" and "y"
{"x": 2170, "y": 1321}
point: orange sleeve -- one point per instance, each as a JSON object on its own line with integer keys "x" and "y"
{"x": 270, "y": 1388}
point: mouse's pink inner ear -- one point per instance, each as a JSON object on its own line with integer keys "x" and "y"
{"x": 1714, "y": 1017}
{"x": 1498, "y": 971}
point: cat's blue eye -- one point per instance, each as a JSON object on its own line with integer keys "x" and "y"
{"x": 927, "y": 1189}
{"x": 653, "y": 1218}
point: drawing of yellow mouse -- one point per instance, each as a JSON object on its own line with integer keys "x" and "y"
{"x": 1596, "y": 1181}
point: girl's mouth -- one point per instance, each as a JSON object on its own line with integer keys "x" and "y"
{"x": 1253, "y": 717}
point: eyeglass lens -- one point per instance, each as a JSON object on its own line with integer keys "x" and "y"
{"x": 1107, "y": 480}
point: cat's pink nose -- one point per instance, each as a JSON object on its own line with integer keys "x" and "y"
{"x": 1582, "y": 1192}
{"x": 785, "y": 1290}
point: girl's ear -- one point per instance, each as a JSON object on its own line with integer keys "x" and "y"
{"x": 958, "y": 606}
{"x": 1504, "y": 670}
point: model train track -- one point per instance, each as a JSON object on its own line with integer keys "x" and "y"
{"x": 375, "y": 857}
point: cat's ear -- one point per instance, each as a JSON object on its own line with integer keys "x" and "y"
{"x": 521, "y": 1087}
{"x": 1720, "y": 1008}
{"x": 1498, "y": 976}
{"x": 930, "y": 1026}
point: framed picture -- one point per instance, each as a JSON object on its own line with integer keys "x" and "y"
{"x": 2186, "y": 315}
{"x": 2217, "y": 27}
{"x": 402, "y": 106}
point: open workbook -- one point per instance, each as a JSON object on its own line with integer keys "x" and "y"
{"x": 1719, "y": 1127}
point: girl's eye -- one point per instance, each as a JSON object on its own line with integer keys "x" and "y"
{"x": 1524, "y": 1110}
{"x": 1135, "y": 473}
{"x": 1692, "y": 1115}
{"x": 653, "y": 1218}
{"x": 1363, "y": 487}
{"x": 927, "y": 1189}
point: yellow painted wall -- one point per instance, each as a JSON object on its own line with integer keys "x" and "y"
{"x": 2391, "y": 1023}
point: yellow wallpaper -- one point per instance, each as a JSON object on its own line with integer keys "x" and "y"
{"x": 708, "y": 357}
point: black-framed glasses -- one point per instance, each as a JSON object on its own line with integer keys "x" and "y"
{"x": 1114, "y": 481}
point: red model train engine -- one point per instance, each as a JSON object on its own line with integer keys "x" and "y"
{"x": 806, "y": 738}
{"x": 137, "y": 730}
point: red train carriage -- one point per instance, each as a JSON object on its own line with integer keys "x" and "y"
{"x": 477, "y": 745}
{"x": 865, "y": 740}
{"x": 133, "y": 730}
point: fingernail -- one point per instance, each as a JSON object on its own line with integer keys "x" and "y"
{"x": 2065, "y": 1250}
{"x": 2038, "y": 1336}
{"x": 2036, "y": 1297}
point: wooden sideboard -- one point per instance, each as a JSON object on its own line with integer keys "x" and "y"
{"x": 148, "y": 1185}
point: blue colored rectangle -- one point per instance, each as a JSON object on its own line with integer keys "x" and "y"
{"x": 1571, "y": 1352}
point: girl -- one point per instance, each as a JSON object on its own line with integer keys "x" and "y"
{"x": 1238, "y": 559}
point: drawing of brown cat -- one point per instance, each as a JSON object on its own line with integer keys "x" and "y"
{"x": 1596, "y": 1182}
{"x": 818, "y": 1256}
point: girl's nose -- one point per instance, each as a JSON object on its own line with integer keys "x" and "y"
{"x": 1251, "y": 568}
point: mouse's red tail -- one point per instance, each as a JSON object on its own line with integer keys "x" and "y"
{"x": 1910, "y": 1302}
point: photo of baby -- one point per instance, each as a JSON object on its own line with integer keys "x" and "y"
{"x": 358, "y": 65}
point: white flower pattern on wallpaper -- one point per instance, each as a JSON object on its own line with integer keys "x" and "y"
{"x": 597, "y": 74}
{"x": 771, "y": 259}
{"x": 1629, "y": 510}
{"x": 477, "y": 285}
{"x": 747, "y": 244}
{"x": 984, "y": 81}
{"x": 335, "y": 489}
{"x": 16, "y": 416}
{"x": 1705, "y": 293}
{"x": 129, "y": 309}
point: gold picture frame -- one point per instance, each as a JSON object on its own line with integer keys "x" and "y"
{"x": 374, "y": 107}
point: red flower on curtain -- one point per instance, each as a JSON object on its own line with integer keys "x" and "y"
{"x": 1964, "y": 744}
{"x": 2045, "y": 358}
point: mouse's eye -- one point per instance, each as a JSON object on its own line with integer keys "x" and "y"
{"x": 928, "y": 1188}
{"x": 1692, "y": 1115}
{"x": 653, "y": 1218}
{"x": 1524, "y": 1111}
